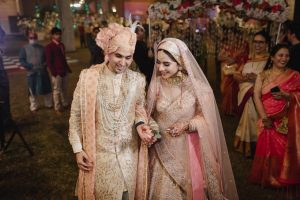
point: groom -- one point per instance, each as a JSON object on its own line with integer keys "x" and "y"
{"x": 107, "y": 107}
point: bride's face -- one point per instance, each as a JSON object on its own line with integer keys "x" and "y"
{"x": 166, "y": 66}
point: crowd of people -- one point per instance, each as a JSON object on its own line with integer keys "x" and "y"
{"x": 159, "y": 135}
{"x": 263, "y": 92}
{"x": 38, "y": 60}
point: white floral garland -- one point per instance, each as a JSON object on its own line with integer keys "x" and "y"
{"x": 171, "y": 10}
{"x": 274, "y": 10}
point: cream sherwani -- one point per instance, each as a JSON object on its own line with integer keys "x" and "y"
{"x": 119, "y": 103}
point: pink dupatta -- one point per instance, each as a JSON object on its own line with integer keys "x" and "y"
{"x": 196, "y": 170}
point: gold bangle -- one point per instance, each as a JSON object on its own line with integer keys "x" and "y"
{"x": 265, "y": 119}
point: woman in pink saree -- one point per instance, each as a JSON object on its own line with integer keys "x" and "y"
{"x": 191, "y": 160}
{"x": 277, "y": 99}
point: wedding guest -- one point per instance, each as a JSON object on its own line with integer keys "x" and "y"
{"x": 246, "y": 132}
{"x": 277, "y": 96}
{"x": 293, "y": 36}
{"x": 32, "y": 58}
{"x": 59, "y": 69}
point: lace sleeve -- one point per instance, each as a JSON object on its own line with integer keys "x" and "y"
{"x": 75, "y": 136}
{"x": 198, "y": 118}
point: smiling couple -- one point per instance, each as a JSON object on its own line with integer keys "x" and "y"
{"x": 111, "y": 127}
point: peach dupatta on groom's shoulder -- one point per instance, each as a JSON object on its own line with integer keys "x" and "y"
{"x": 87, "y": 85}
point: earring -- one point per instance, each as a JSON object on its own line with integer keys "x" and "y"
{"x": 179, "y": 73}
{"x": 270, "y": 64}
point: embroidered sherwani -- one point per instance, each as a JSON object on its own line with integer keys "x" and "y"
{"x": 119, "y": 102}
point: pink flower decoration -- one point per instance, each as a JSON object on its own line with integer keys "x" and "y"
{"x": 236, "y": 2}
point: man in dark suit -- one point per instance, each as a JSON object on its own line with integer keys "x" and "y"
{"x": 142, "y": 57}
{"x": 59, "y": 69}
{"x": 97, "y": 54}
{"x": 293, "y": 36}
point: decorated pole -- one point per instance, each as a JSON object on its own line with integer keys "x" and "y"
{"x": 149, "y": 27}
{"x": 66, "y": 17}
{"x": 278, "y": 33}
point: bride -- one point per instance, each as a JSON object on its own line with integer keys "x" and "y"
{"x": 190, "y": 161}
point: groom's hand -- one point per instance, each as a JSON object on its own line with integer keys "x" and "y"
{"x": 83, "y": 161}
{"x": 145, "y": 134}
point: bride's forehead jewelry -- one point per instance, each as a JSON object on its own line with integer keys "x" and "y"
{"x": 172, "y": 48}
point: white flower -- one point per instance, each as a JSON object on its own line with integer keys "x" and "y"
{"x": 175, "y": 4}
{"x": 275, "y": 2}
{"x": 249, "y": 12}
{"x": 274, "y": 16}
{"x": 197, "y": 3}
{"x": 239, "y": 7}
{"x": 173, "y": 15}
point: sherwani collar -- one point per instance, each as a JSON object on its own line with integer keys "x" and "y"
{"x": 111, "y": 74}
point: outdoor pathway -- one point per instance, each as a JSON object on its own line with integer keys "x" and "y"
{"x": 52, "y": 172}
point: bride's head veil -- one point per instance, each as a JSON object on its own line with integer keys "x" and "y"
{"x": 208, "y": 106}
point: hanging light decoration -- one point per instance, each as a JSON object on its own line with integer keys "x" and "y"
{"x": 78, "y": 4}
{"x": 114, "y": 9}
{"x": 99, "y": 7}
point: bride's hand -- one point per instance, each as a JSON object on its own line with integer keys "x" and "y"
{"x": 177, "y": 129}
{"x": 146, "y": 134}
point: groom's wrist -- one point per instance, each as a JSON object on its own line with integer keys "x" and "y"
{"x": 139, "y": 123}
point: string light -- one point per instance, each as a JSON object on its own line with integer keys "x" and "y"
{"x": 77, "y": 5}
{"x": 114, "y": 9}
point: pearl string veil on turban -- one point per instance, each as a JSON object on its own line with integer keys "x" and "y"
{"x": 115, "y": 37}
{"x": 206, "y": 99}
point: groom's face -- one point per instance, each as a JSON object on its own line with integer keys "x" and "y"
{"x": 119, "y": 60}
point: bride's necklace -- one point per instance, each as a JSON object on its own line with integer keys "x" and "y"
{"x": 177, "y": 80}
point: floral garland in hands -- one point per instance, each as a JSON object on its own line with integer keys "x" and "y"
{"x": 150, "y": 133}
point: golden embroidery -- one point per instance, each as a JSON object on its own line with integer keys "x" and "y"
{"x": 167, "y": 180}
{"x": 283, "y": 126}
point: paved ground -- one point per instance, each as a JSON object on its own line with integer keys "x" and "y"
{"x": 51, "y": 172}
